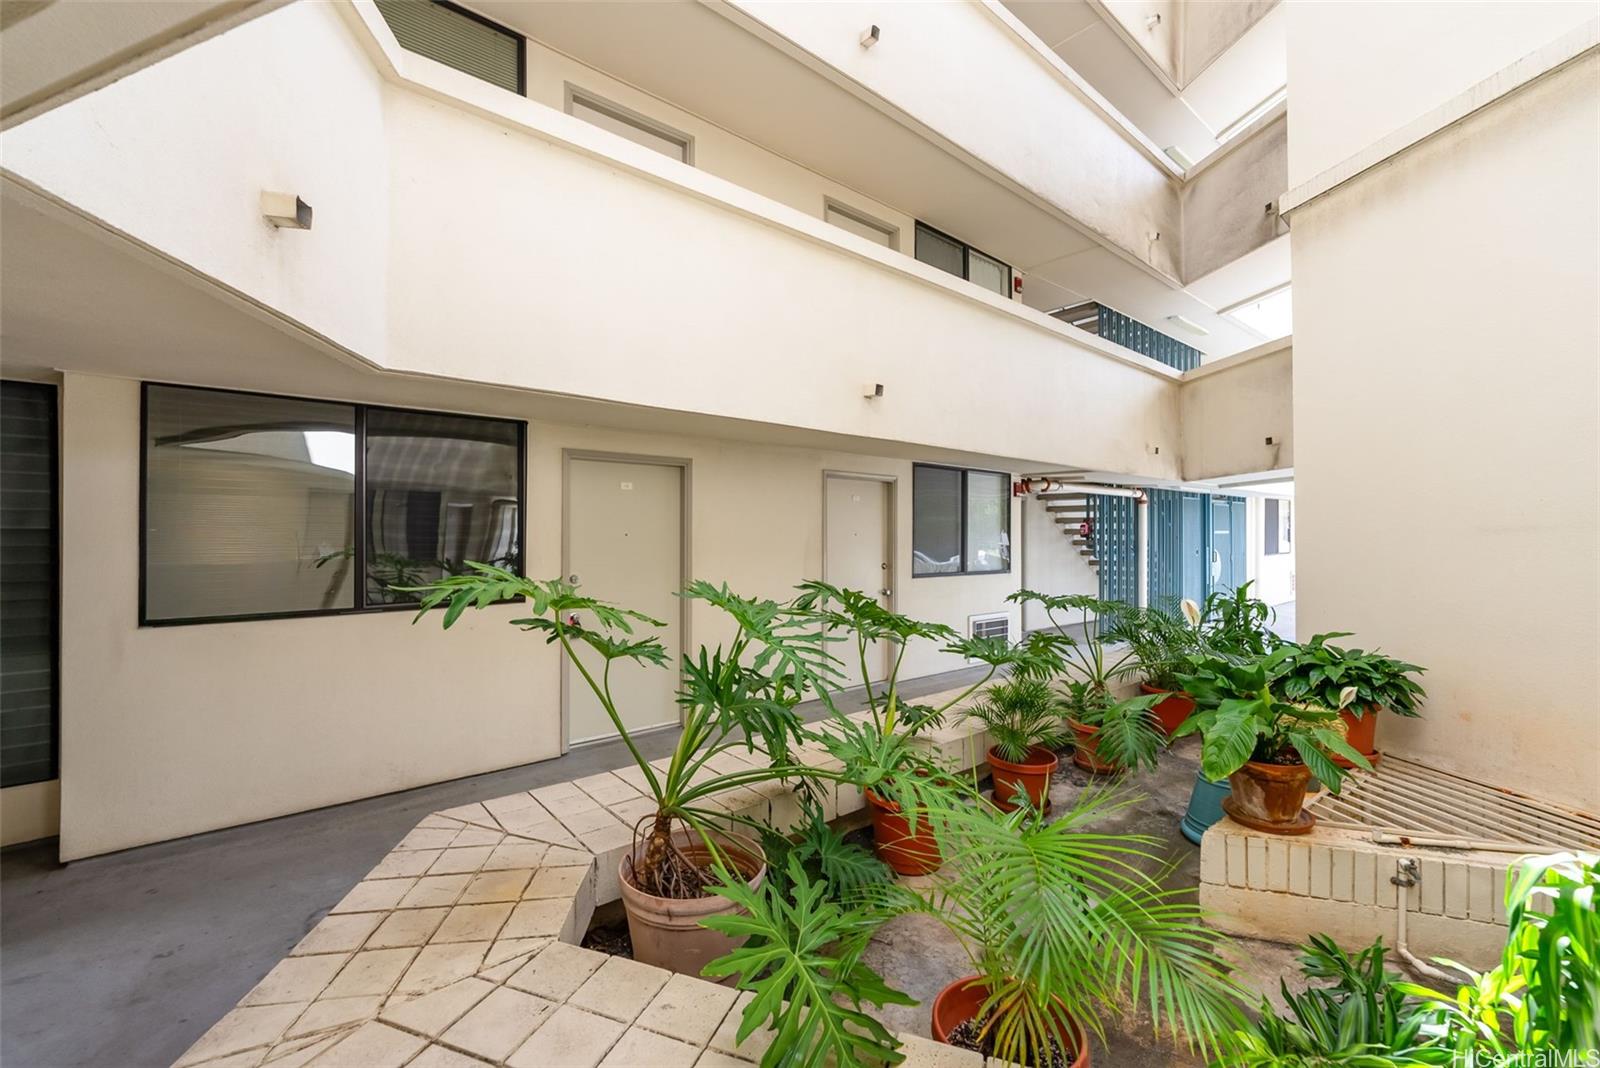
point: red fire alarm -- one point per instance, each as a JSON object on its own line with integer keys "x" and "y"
{"x": 1016, "y": 284}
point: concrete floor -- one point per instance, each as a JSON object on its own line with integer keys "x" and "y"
{"x": 123, "y": 961}
{"x": 917, "y": 954}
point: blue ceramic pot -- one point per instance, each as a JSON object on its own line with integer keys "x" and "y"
{"x": 1205, "y": 806}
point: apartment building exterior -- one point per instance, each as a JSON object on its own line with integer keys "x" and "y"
{"x": 635, "y": 294}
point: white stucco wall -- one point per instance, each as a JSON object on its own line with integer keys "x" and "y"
{"x": 464, "y": 232}
{"x": 1362, "y": 69}
{"x": 1446, "y": 406}
{"x": 1230, "y": 407}
{"x": 1050, "y": 562}
{"x": 168, "y": 731}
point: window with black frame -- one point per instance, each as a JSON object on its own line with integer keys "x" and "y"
{"x": 251, "y": 510}
{"x": 938, "y": 249}
{"x": 960, "y": 521}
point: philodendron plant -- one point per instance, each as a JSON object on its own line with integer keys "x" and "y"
{"x": 880, "y": 753}
{"x": 741, "y": 696}
{"x": 1089, "y": 661}
{"x": 1243, "y": 716}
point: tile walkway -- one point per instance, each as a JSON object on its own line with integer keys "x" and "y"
{"x": 459, "y": 948}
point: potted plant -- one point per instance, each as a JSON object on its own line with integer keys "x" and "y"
{"x": 1111, "y": 735}
{"x": 1319, "y": 672}
{"x": 1266, "y": 746}
{"x": 1023, "y": 716}
{"x": 739, "y": 696}
{"x": 1063, "y": 927}
{"x": 1235, "y": 624}
{"x": 1164, "y": 643}
{"x": 905, "y": 789}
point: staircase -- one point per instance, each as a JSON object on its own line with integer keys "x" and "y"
{"x": 1073, "y": 511}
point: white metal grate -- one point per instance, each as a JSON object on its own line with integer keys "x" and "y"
{"x": 1403, "y": 801}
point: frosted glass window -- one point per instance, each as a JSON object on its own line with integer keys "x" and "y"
{"x": 960, "y": 521}
{"x": 640, "y": 131}
{"x": 861, "y": 226}
{"x": 939, "y": 251}
{"x": 989, "y": 273}
{"x": 988, "y": 546}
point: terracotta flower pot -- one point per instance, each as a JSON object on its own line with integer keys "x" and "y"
{"x": 1031, "y": 775}
{"x": 1270, "y": 797}
{"x": 1171, "y": 712}
{"x": 1360, "y": 731}
{"x": 906, "y": 852}
{"x": 1085, "y": 755}
{"x": 959, "y": 1002}
{"x": 666, "y": 931}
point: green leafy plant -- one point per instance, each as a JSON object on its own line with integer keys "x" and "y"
{"x": 879, "y": 752}
{"x": 1020, "y": 712}
{"x": 1056, "y": 915}
{"x": 1235, "y": 624}
{"x": 1360, "y": 1018}
{"x": 1319, "y": 673}
{"x": 738, "y": 697}
{"x": 1164, "y": 643}
{"x": 1090, "y": 661}
{"x": 1545, "y": 992}
{"x": 846, "y": 868}
{"x": 1240, "y": 718}
{"x": 1126, "y": 732}
{"x": 802, "y": 958}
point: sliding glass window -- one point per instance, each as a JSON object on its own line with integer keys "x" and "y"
{"x": 250, "y": 503}
{"x": 960, "y": 521}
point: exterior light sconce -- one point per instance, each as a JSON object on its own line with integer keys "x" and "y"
{"x": 869, "y": 36}
{"x": 872, "y": 390}
{"x": 286, "y": 211}
{"x": 1152, "y": 22}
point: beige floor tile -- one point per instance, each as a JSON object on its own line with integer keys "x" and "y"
{"x": 244, "y": 1028}
{"x": 620, "y": 989}
{"x": 606, "y": 839}
{"x": 713, "y": 1059}
{"x": 372, "y": 971}
{"x": 329, "y": 1013}
{"x": 499, "y": 1023}
{"x": 726, "y": 1039}
{"x": 513, "y": 853}
{"x": 688, "y": 1008}
{"x": 338, "y": 934}
{"x": 926, "y": 1053}
{"x": 296, "y": 979}
{"x": 469, "y": 859}
{"x": 294, "y": 1053}
{"x": 557, "y": 971}
{"x": 548, "y": 831}
{"x": 500, "y": 807}
{"x": 629, "y": 813}
{"x": 250, "y": 1058}
{"x": 567, "y": 856}
{"x": 440, "y": 1057}
{"x": 407, "y": 927}
{"x": 432, "y": 1013}
{"x": 374, "y": 895}
{"x": 555, "y": 882}
{"x": 403, "y": 864}
{"x": 372, "y": 1045}
{"x": 473, "y": 923}
{"x": 637, "y": 1048}
{"x": 537, "y": 919}
{"x": 478, "y": 836}
{"x": 435, "y": 890}
{"x": 474, "y": 812}
{"x": 439, "y": 965}
{"x": 588, "y": 819}
{"x": 428, "y": 838}
{"x": 570, "y": 1038}
{"x": 506, "y": 949}
{"x": 489, "y": 886}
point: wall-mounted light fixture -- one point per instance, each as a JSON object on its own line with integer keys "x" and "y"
{"x": 869, "y": 36}
{"x": 286, "y": 211}
{"x": 872, "y": 390}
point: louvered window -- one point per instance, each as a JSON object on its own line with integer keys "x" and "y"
{"x": 260, "y": 506}
{"x": 28, "y": 549}
{"x": 458, "y": 38}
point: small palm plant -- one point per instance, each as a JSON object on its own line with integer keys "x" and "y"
{"x": 1064, "y": 927}
{"x": 1020, "y": 714}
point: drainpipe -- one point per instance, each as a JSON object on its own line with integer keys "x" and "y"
{"x": 1404, "y": 880}
{"x": 1141, "y": 550}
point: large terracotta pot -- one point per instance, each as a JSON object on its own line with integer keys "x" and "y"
{"x": 959, "y": 1002}
{"x": 1361, "y": 732}
{"x": 1031, "y": 775}
{"x": 1270, "y": 797}
{"x": 1085, "y": 754}
{"x": 892, "y": 839}
{"x": 1171, "y": 712}
{"x": 666, "y": 931}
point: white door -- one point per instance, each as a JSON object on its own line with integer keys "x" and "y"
{"x": 625, "y": 545}
{"x": 856, "y": 553}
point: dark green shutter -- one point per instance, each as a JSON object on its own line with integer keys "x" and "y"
{"x": 456, "y": 39}
{"x": 1132, "y": 334}
{"x": 28, "y": 550}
